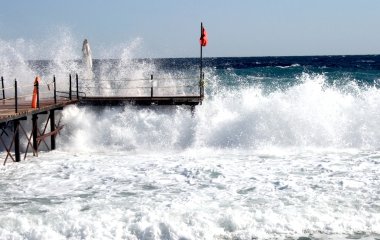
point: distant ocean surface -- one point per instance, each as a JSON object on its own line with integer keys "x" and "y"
{"x": 281, "y": 148}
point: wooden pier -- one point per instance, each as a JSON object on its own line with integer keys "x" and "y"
{"x": 151, "y": 94}
{"x": 17, "y": 108}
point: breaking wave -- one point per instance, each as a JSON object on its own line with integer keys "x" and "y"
{"x": 311, "y": 113}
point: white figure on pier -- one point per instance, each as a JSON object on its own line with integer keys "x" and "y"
{"x": 87, "y": 59}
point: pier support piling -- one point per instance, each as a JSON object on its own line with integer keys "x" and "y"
{"x": 192, "y": 109}
{"x": 17, "y": 140}
{"x": 35, "y": 132}
{"x": 52, "y": 129}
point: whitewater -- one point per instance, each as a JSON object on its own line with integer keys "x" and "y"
{"x": 281, "y": 148}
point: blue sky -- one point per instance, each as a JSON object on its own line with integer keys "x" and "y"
{"x": 170, "y": 28}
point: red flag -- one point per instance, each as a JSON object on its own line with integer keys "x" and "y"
{"x": 203, "y": 40}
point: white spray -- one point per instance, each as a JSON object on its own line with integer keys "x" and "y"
{"x": 87, "y": 59}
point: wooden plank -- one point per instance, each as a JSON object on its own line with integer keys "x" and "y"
{"x": 42, "y": 137}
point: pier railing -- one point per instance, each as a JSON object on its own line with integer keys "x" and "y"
{"x": 72, "y": 93}
{"x": 151, "y": 86}
{"x": 23, "y": 94}
{"x": 16, "y": 95}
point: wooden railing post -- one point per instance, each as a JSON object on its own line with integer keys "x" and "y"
{"x": 151, "y": 88}
{"x": 36, "y": 85}
{"x": 55, "y": 90}
{"x": 70, "y": 86}
{"x": 76, "y": 79}
{"x": 2, "y": 85}
{"x": 16, "y": 96}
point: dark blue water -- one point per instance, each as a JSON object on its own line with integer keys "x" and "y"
{"x": 269, "y": 73}
{"x": 274, "y": 73}
{"x": 286, "y": 70}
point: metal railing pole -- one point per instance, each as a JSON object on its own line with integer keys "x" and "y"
{"x": 76, "y": 79}
{"x": 201, "y": 85}
{"x": 16, "y": 96}
{"x": 38, "y": 94}
{"x": 55, "y": 90}
{"x": 70, "y": 87}
{"x": 151, "y": 88}
{"x": 2, "y": 85}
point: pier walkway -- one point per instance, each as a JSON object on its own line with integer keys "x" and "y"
{"x": 8, "y": 113}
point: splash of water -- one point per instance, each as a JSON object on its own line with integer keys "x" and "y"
{"x": 24, "y": 60}
{"x": 87, "y": 60}
{"x": 310, "y": 114}
{"x": 12, "y": 63}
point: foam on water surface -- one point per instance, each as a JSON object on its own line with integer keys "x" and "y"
{"x": 203, "y": 194}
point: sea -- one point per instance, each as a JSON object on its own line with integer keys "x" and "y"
{"x": 280, "y": 148}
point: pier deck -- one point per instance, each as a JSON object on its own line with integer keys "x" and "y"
{"x": 24, "y": 109}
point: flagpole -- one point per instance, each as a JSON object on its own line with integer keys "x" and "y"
{"x": 201, "y": 67}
